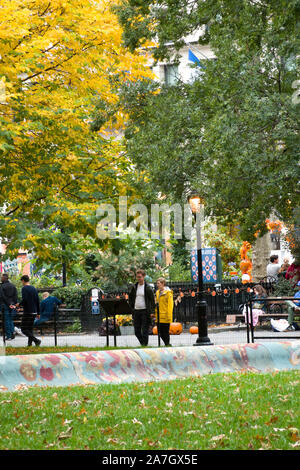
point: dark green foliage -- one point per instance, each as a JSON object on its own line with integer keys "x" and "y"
{"x": 234, "y": 132}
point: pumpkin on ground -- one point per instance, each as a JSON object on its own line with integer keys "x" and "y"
{"x": 194, "y": 330}
{"x": 175, "y": 329}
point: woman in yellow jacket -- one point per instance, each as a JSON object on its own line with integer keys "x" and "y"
{"x": 164, "y": 305}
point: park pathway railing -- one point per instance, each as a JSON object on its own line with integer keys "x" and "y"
{"x": 222, "y": 300}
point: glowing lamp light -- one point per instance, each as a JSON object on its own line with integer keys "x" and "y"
{"x": 195, "y": 201}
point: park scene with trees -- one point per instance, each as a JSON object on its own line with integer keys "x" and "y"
{"x": 158, "y": 104}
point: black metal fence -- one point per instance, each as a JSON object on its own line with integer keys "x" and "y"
{"x": 222, "y": 300}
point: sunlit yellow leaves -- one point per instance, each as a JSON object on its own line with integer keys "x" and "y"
{"x": 58, "y": 59}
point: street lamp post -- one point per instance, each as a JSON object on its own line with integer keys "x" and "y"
{"x": 64, "y": 266}
{"x": 195, "y": 203}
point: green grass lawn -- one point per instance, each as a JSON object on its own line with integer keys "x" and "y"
{"x": 218, "y": 411}
{"x": 11, "y": 351}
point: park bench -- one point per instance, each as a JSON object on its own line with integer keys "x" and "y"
{"x": 62, "y": 317}
{"x": 276, "y": 308}
{"x": 273, "y": 305}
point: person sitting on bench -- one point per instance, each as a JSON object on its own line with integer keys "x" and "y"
{"x": 47, "y": 308}
{"x": 293, "y": 306}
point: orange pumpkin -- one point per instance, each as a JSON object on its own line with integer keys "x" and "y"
{"x": 194, "y": 330}
{"x": 175, "y": 328}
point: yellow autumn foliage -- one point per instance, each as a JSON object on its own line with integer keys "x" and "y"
{"x": 59, "y": 60}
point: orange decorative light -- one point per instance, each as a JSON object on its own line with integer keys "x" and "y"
{"x": 275, "y": 225}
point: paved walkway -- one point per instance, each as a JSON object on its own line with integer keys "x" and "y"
{"x": 217, "y": 336}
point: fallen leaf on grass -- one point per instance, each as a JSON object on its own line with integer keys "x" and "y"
{"x": 113, "y": 440}
{"x": 108, "y": 430}
{"x": 66, "y": 434}
{"x": 272, "y": 420}
{"x": 67, "y": 421}
{"x": 135, "y": 421}
{"x": 218, "y": 438}
{"x": 297, "y": 444}
{"x": 294, "y": 433}
{"x": 153, "y": 443}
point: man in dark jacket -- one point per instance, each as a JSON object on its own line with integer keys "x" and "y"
{"x": 47, "y": 308}
{"x": 8, "y": 299}
{"x": 31, "y": 307}
{"x": 141, "y": 300}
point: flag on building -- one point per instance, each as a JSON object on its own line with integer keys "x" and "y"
{"x": 195, "y": 59}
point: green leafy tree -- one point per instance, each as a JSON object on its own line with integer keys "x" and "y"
{"x": 234, "y": 132}
{"x": 60, "y": 67}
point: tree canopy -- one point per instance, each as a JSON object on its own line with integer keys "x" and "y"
{"x": 234, "y": 132}
{"x": 61, "y": 65}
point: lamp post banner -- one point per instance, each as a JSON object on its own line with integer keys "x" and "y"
{"x": 209, "y": 265}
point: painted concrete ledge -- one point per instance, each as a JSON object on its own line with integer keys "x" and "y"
{"x": 142, "y": 365}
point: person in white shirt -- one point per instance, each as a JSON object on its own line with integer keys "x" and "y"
{"x": 273, "y": 267}
{"x": 141, "y": 300}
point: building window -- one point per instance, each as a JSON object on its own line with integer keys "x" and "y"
{"x": 171, "y": 74}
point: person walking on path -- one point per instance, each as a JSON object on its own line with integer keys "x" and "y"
{"x": 31, "y": 307}
{"x": 47, "y": 308}
{"x": 141, "y": 300}
{"x": 164, "y": 306}
{"x": 8, "y": 299}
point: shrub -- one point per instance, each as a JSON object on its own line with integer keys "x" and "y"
{"x": 74, "y": 328}
{"x": 71, "y": 296}
{"x": 284, "y": 288}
